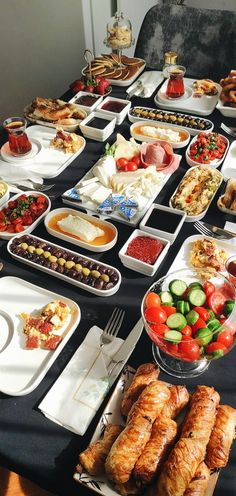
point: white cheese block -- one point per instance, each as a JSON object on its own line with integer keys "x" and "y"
{"x": 85, "y": 182}
{"x": 85, "y": 230}
{"x": 104, "y": 169}
{"x": 88, "y": 189}
{"x": 101, "y": 194}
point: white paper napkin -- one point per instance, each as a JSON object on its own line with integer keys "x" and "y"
{"x": 14, "y": 173}
{"x": 80, "y": 389}
{"x": 231, "y": 226}
{"x": 150, "y": 80}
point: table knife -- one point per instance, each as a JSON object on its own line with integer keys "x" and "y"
{"x": 125, "y": 350}
{"x": 218, "y": 230}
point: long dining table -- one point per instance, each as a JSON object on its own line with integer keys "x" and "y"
{"x": 31, "y": 444}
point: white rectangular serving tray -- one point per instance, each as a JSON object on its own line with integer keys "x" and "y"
{"x": 111, "y": 415}
{"x": 228, "y": 168}
{"x": 203, "y": 105}
{"x": 48, "y": 162}
{"x": 125, "y": 82}
{"x": 21, "y": 369}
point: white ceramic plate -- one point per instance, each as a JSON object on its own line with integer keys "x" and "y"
{"x": 21, "y": 369}
{"x": 213, "y": 163}
{"x": 193, "y": 131}
{"x": 193, "y": 218}
{"x": 86, "y": 287}
{"x": 76, "y": 241}
{"x": 228, "y": 168}
{"x": 71, "y": 127}
{"x": 199, "y": 106}
{"x": 226, "y": 111}
{"x": 9, "y": 157}
{"x": 112, "y": 415}
{"x": 125, "y": 82}
{"x": 28, "y": 229}
{"x": 148, "y": 139}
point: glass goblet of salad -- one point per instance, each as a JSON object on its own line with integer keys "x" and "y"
{"x": 191, "y": 320}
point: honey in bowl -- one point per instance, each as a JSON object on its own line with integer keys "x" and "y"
{"x": 107, "y": 237}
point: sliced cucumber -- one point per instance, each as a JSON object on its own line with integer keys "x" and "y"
{"x": 211, "y": 313}
{"x": 182, "y": 306}
{"x": 166, "y": 298}
{"x": 177, "y": 287}
{"x": 176, "y": 321}
{"x": 228, "y": 308}
{"x": 213, "y": 324}
{"x": 203, "y": 336}
{"x": 192, "y": 317}
{"x": 196, "y": 297}
{"x": 195, "y": 285}
{"x": 173, "y": 336}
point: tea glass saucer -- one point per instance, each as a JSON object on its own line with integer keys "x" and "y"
{"x": 7, "y": 329}
{"x": 162, "y": 96}
{"x": 8, "y": 156}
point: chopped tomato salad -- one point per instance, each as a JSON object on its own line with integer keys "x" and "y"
{"x": 207, "y": 147}
{"x": 22, "y": 212}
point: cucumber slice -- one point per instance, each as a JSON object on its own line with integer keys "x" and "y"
{"x": 177, "y": 287}
{"x": 203, "y": 336}
{"x": 182, "y": 306}
{"x": 166, "y": 297}
{"x": 176, "y": 321}
{"x": 196, "y": 297}
{"x": 192, "y": 317}
{"x": 173, "y": 336}
{"x": 195, "y": 285}
{"x": 228, "y": 308}
{"x": 213, "y": 324}
{"x": 211, "y": 313}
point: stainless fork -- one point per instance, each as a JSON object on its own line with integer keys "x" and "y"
{"x": 36, "y": 186}
{"x": 113, "y": 326}
{"x": 206, "y": 232}
{"x": 229, "y": 130}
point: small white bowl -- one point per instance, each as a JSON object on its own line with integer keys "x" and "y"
{"x": 4, "y": 198}
{"x": 163, "y": 233}
{"x": 75, "y": 241}
{"x": 134, "y": 131}
{"x": 88, "y": 108}
{"x": 226, "y": 111}
{"x": 138, "y": 265}
{"x": 94, "y": 132}
{"x": 119, "y": 116}
{"x": 213, "y": 163}
{"x": 28, "y": 229}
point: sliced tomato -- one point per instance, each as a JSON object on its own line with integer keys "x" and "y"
{"x": 3, "y": 226}
{"x": 12, "y": 204}
{"x": 226, "y": 338}
{"x": 10, "y": 228}
{"x": 172, "y": 349}
{"x": 198, "y": 325}
{"x": 41, "y": 199}
{"x": 19, "y": 227}
{"x": 227, "y": 291}
{"x": 216, "y": 301}
{"x": 152, "y": 300}
{"x": 208, "y": 288}
{"x": 159, "y": 328}
{"x": 155, "y": 315}
{"x": 2, "y": 215}
{"x": 202, "y": 312}
{"x": 212, "y": 347}
{"x": 186, "y": 331}
{"x": 168, "y": 309}
{"x": 189, "y": 349}
{"x": 52, "y": 342}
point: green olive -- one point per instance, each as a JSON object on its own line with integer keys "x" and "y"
{"x": 69, "y": 264}
{"x": 95, "y": 274}
{"x": 39, "y": 251}
{"x": 105, "y": 277}
{"x": 52, "y": 258}
{"x": 85, "y": 271}
{"x": 31, "y": 249}
{"x": 61, "y": 261}
{"x": 78, "y": 267}
{"x": 46, "y": 254}
{"x": 24, "y": 246}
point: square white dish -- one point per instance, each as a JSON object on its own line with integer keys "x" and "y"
{"x": 96, "y": 133}
{"x": 48, "y": 162}
{"x": 137, "y": 265}
{"x": 193, "y": 218}
{"x": 119, "y": 116}
{"x": 21, "y": 369}
{"x": 166, "y": 234}
{"x": 81, "y": 259}
{"x": 86, "y": 108}
{"x": 135, "y": 129}
{"x": 188, "y": 103}
{"x": 190, "y": 123}
{"x": 213, "y": 163}
{"x": 228, "y": 168}
{"x": 102, "y": 224}
{"x": 28, "y": 229}
{"x": 226, "y": 111}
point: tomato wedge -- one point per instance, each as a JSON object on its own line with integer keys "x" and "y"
{"x": 216, "y": 302}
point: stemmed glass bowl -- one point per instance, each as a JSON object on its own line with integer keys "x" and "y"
{"x": 191, "y": 319}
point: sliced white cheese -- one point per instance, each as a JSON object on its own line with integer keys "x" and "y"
{"x": 85, "y": 230}
{"x": 88, "y": 189}
{"x": 85, "y": 182}
{"x": 101, "y": 194}
{"x": 104, "y": 169}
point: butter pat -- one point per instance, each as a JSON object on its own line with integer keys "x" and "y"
{"x": 85, "y": 230}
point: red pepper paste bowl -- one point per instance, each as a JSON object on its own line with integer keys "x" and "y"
{"x": 144, "y": 252}
{"x": 191, "y": 320}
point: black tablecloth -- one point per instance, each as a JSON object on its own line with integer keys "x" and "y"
{"x": 39, "y": 449}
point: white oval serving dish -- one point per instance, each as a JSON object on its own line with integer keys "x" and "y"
{"x": 213, "y": 163}
{"x": 150, "y": 139}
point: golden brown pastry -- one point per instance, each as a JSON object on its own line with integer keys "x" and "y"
{"x": 127, "y": 448}
{"x": 163, "y": 434}
{"x": 201, "y": 416}
{"x": 151, "y": 401}
{"x": 179, "y": 397}
{"x": 128, "y": 488}
{"x": 199, "y": 482}
{"x": 93, "y": 458}
{"x": 180, "y": 467}
{"x": 222, "y": 436}
{"x": 145, "y": 374}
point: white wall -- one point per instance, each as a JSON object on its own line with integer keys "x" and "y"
{"x": 41, "y": 50}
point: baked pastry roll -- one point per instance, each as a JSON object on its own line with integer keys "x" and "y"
{"x": 151, "y": 401}
{"x": 201, "y": 416}
{"x": 179, "y": 397}
{"x": 222, "y": 436}
{"x": 127, "y": 448}
{"x": 128, "y": 488}
{"x": 199, "y": 482}
{"x": 146, "y": 373}
{"x": 93, "y": 458}
{"x": 163, "y": 434}
{"x": 180, "y": 467}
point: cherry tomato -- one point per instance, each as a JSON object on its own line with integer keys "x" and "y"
{"x": 212, "y": 347}
{"x": 137, "y": 160}
{"x": 19, "y": 227}
{"x": 10, "y": 228}
{"x": 3, "y": 226}
{"x": 198, "y": 325}
{"x": 202, "y": 312}
{"x": 172, "y": 349}
{"x": 168, "y": 309}
{"x": 131, "y": 166}
{"x": 152, "y": 300}
{"x": 12, "y": 204}
{"x": 159, "y": 328}
{"x": 121, "y": 163}
{"x": 189, "y": 349}
{"x": 155, "y": 315}
{"x": 186, "y": 331}
{"x": 216, "y": 302}
{"x": 227, "y": 291}
{"x": 226, "y": 338}
{"x": 208, "y": 288}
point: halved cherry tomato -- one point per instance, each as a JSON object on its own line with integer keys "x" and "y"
{"x": 19, "y": 227}
{"x": 202, "y": 312}
{"x": 168, "y": 309}
{"x": 172, "y": 349}
{"x": 212, "y": 347}
{"x": 208, "y": 288}
{"x": 198, "y": 325}
{"x": 159, "y": 328}
{"x": 226, "y": 338}
{"x": 216, "y": 301}
{"x": 155, "y": 315}
{"x": 186, "y": 331}
{"x": 152, "y": 300}
{"x": 189, "y": 349}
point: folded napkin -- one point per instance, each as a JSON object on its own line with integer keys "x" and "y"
{"x": 80, "y": 389}
{"x": 150, "y": 80}
{"x": 16, "y": 173}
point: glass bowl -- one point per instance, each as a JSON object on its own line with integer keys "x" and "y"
{"x": 191, "y": 319}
